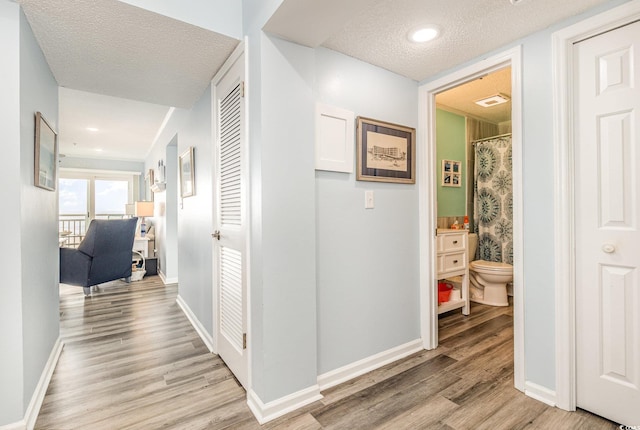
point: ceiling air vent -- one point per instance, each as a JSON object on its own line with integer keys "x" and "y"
{"x": 493, "y": 100}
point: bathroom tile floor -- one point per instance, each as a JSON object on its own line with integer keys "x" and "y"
{"x": 133, "y": 361}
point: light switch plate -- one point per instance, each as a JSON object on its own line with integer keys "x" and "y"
{"x": 368, "y": 199}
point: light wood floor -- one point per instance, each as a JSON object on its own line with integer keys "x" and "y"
{"x": 131, "y": 360}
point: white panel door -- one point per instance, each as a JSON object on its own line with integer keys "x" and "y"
{"x": 230, "y": 233}
{"x": 607, "y": 162}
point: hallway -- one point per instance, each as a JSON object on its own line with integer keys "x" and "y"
{"x": 132, "y": 360}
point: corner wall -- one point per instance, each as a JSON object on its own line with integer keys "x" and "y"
{"x": 367, "y": 259}
{"x": 195, "y": 215}
{"x": 12, "y": 391}
{"x": 39, "y": 216}
{"x": 29, "y": 310}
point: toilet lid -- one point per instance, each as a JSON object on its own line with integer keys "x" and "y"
{"x": 491, "y": 265}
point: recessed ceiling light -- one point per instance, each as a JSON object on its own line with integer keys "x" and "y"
{"x": 92, "y": 129}
{"x": 493, "y": 100}
{"x": 424, "y": 34}
{"x": 98, "y": 149}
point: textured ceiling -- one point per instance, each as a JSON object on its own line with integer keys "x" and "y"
{"x": 112, "y": 48}
{"x": 126, "y": 128}
{"x": 377, "y": 34}
{"x": 462, "y": 99}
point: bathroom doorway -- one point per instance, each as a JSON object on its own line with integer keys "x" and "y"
{"x": 437, "y": 100}
{"x": 474, "y": 191}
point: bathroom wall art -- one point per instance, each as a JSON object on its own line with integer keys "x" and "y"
{"x": 451, "y": 173}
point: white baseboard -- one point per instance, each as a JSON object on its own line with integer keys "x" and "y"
{"x": 202, "y": 332}
{"x": 31, "y": 414}
{"x": 166, "y": 280}
{"x": 360, "y": 367}
{"x": 20, "y": 425}
{"x": 277, "y": 408}
{"x": 540, "y": 393}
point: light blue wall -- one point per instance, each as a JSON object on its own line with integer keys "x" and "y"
{"x": 256, "y": 13}
{"x": 102, "y": 164}
{"x": 221, "y": 16}
{"x": 166, "y": 202}
{"x": 318, "y": 271}
{"x": 288, "y": 290}
{"x": 29, "y": 324}
{"x": 367, "y": 259}
{"x": 538, "y": 183}
{"x": 169, "y": 252}
{"x": 195, "y": 215}
{"x": 39, "y": 216}
{"x": 11, "y": 359}
{"x": 539, "y": 271}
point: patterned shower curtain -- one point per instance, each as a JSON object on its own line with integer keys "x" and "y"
{"x": 493, "y": 199}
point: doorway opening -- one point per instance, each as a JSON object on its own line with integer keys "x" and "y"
{"x": 474, "y": 233}
{"x": 432, "y": 179}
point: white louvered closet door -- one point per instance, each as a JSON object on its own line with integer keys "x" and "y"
{"x": 230, "y": 232}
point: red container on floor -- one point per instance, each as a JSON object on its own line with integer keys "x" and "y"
{"x": 444, "y": 292}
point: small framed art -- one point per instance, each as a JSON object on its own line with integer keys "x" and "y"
{"x": 46, "y": 154}
{"x": 187, "y": 177}
{"x": 451, "y": 173}
{"x": 148, "y": 183}
{"x": 386, "y": 152}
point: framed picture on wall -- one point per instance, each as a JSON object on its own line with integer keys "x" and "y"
{"x": 451, "y": 173}
{"x": 45, "y": 155}
{"x": 386, "y": 152}
{"x": 187, "y": 178}
{"x": 148, "y": 182}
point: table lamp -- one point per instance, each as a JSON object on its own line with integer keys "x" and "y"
{"x": 143, "y": 209}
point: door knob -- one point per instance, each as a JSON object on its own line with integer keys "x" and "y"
{"x": 608, "y": 248}
{"x": 216, "y": 234}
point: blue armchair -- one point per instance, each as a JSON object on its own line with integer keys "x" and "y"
{"x": 103, "y": 255}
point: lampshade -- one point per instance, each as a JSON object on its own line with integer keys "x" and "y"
{"x": 144, "y": 209}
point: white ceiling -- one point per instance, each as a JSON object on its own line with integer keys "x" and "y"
{"x": 114, "y": 49}
{"x": 125, "y": 128}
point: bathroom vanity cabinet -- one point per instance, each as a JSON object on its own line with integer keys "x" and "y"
{"x": 452, "y": 262}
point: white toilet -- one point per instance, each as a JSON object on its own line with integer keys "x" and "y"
{"x": 487, "y": 279}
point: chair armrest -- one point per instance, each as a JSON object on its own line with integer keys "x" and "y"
{"x": 74, "y": 267}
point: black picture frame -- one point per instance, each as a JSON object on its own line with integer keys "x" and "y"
{"x": 386, "y": 152}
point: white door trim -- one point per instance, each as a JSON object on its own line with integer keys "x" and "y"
{"x": 427, "y": 202}
{"x": 564, "y": 191}
{"x": 241, "y": 49}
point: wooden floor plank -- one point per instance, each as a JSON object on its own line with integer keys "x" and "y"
{"x": 132, "y": 360}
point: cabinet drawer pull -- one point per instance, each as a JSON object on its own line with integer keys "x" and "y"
{"x": 455, "y": 261}
{"x": 455, "y": 242}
